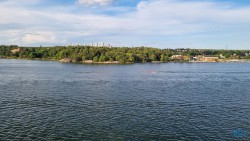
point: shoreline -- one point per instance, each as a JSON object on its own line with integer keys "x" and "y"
{"x": 123, "y": 55}
{"x": 118, "y": 63}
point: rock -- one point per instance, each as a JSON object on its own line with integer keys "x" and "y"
{"x": 66, "y": 60}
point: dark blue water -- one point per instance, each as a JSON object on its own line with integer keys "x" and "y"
{"x": 42, "y": 100}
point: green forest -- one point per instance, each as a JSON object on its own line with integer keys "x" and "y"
{"x": 121, "y": 54}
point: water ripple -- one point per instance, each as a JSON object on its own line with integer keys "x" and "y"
{"x": 52, "y": 101}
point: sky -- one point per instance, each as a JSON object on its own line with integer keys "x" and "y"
{"x": 198, "y": 24}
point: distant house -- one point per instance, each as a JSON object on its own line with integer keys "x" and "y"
{"x": 14, "y": 51}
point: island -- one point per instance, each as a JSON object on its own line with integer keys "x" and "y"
{"x": 122, "y": 55}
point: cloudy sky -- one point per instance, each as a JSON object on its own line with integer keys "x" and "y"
{"x": 157, "y": 23}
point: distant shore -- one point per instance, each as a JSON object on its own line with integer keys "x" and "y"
{"x": 68, "y": 61}
{"x": 122, "y": 55}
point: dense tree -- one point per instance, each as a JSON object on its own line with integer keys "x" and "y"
{"x": 121, "y": 54}
{"x": 163, "y": 58}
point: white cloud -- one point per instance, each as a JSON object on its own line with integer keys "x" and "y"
{"x": 153, "y": 19}
{"x": 41, "y": 37}
{"x": 94, "y": 2}
{"x": 19, "y": 2}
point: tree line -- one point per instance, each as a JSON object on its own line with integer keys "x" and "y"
{"x": 121, "y": 54}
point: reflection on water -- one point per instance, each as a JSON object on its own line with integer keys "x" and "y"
{"x": 52, "y": 101}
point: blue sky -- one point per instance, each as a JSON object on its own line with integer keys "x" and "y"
{"x": 209, "y": 24}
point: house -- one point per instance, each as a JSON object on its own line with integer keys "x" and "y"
{"x": 14, "y": 51}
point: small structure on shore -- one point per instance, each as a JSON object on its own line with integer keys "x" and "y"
{"x": 14, "y": 51}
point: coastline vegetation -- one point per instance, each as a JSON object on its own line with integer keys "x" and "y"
{"x": 89, "y": 54}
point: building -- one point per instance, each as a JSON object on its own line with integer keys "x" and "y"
{"x": 14, "y": 51}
